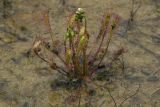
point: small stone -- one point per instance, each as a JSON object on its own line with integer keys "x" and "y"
{"x": 3, "y": 83}
{"x": 156, "y": 39}
{"x": 8, "y": 40}
{"x": 25, "y": 104}
{"x": 135, "y": 79}
{"x": 153, "y": 79}
{"x": 146, "y": 72}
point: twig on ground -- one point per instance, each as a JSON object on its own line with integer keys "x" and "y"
{"x": 130, "y": 96}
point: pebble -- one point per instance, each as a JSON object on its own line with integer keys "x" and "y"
{"x": 146, "y": 72}
{"x": 156, "y": 39}
{"x": 25, "y": 104}
{"x": 153, "y": 79}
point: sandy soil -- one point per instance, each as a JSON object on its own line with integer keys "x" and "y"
{"x": 25, "y": 81}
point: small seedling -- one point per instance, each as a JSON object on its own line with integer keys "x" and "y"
{"x": 80, "y": 61}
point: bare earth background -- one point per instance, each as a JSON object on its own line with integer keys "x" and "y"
{"x": 25, "y": 81}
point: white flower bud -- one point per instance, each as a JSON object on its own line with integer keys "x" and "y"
{"x": 79, "y": 10}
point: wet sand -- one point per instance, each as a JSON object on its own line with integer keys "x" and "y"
{"x": 25, "y": 81}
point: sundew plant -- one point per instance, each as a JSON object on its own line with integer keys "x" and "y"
{"x": 80, "y": 60}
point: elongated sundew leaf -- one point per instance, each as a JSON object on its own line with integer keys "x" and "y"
{"x": 85, "y": 69}
{"x": 37, "y": 47}
{"x": 101, "y": 36}
{"x": 47, "y": 22}
{"x": 113, "y": 25}
{"x": 82, "y": 44}
{"x": 72, "y": 20}
{"x": 99, "y": 39}
{"x": 68, "y": 56}
{"x": 104, "y": 24}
